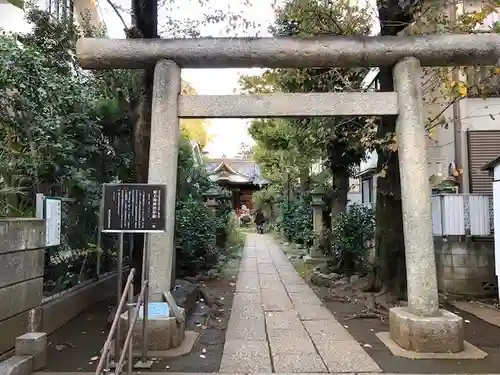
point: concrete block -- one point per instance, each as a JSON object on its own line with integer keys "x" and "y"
{"x": 17, "y": 365}
{"x": 21, "y": 266}
{"x": 20, "y": 297}
{"x": 35, "y": 344}
{"x": 163, "y": 332}
{"x": 21, "y": 234}
{"x": 437, "y": 334}
{"x": 12, "y": 328}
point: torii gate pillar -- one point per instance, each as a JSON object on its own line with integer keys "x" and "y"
{"x": 421, "y": 327}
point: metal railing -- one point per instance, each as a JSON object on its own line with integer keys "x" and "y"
{"x": 104, "y": 365}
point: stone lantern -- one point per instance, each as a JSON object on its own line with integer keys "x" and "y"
{"x": 224, "y": 196}
{"x": 211, "y": 196}
{"x": 315, "y": 254}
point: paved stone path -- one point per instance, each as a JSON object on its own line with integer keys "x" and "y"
{"x": 278, "y": 324}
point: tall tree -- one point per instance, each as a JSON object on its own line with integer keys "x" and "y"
{"x": 144, "y": 25}
{"x": 390, "y": 270}
{"x": 340, "y": 142}
{"x": 194, "y": 129}
{"x": 413, "y": 17}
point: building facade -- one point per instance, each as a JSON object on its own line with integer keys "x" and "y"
{"x": 241, "y": 177}
{"x": 467, "y": 134}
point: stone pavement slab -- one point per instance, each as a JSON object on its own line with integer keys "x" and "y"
{"x": 293, "y": 363}
{"x": 279, "y": 320}
{"x": 245, "y": 356}
{"x": 276, "y": 300}
{"x": 305, "y": 297}
{"x": 279, "y": 325}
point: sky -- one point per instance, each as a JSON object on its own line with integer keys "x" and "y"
{"x": 226, "y": 135}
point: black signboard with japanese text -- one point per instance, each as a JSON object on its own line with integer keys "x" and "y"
{"x": 134, "y": 208}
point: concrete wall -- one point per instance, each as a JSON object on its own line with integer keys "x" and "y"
{"x": 465, "y": 266}
{"x": 59, "y": 309}
{"x": 21, "y": 277}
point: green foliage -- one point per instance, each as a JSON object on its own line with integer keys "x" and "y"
{"x": 351, "y": 237}
{"x": 63, "y": 132}
{"x": 296, "y": 220}
{"x": 195, "y": 233}
{"x": 245, "y": 220}
{"x": 297, "y": 143}
{"x": 266, "y": 200}
{"x": 204, "y": 240}
{"x": 234, "y": 239}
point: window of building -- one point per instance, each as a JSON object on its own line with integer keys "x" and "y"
{"x": 367, "y": 190}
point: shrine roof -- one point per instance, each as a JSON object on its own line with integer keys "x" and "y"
{"x": 241, "y": 170}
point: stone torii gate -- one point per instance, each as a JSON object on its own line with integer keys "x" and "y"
{"x": 421, "y": 326}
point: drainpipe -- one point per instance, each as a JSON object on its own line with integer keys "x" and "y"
{"x": 459, "y": 135}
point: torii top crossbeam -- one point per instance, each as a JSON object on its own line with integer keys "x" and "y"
{"x": 290, "y": 52}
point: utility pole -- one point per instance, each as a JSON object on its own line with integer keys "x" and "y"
{"x": 459, "y": 135}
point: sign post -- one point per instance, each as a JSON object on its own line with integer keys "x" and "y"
{"x": 133, "y": 208}
{"x": 50, "y": 209}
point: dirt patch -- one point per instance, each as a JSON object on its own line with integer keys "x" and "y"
{"x": 477, "y": 332}
{"x": 350, "y": 310}
{"x": 76, "y": 346}
{"x": 207, "y": 352}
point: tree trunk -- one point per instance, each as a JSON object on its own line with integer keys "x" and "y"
{"x": 144, "y": 25}
{"x": 390, "y": 269}
{"x": 340, "y": 191}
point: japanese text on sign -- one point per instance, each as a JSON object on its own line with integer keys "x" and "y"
{"x": 134, "y": 208}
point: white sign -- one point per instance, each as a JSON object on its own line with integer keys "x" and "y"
{"x": 50, "y": 209}
{"x": 155, "y": 310}
{"x": 53, "y": 214}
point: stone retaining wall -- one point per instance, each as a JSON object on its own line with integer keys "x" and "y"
{"x": 466, "y": 266}
{"x": 21, "y": 277}
{"x": 57, "y": 310}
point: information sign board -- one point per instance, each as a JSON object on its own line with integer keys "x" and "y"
{"x": 53, "y": 216}
{"x": 50, "y": 209}
{"x": 134, "y": 208}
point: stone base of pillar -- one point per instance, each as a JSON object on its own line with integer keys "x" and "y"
{"x": 437, "y": 334}
{"x": 163, "y": 333}
{"x": 310, "y": 259}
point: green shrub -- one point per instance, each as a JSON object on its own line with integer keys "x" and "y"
{"x": 296, "y": 220}
{"x": 195, "y": 233}
{"x": 222, "y": 217}
{"x": 245, "y": 220}
{"x": 234, "y": 238}
{"x": 350, "y": 237}
{"x": 266, "y": 199}
{"x": 195, "y": 228}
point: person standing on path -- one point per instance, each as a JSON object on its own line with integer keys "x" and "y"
{"x": 259, "y": 222}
